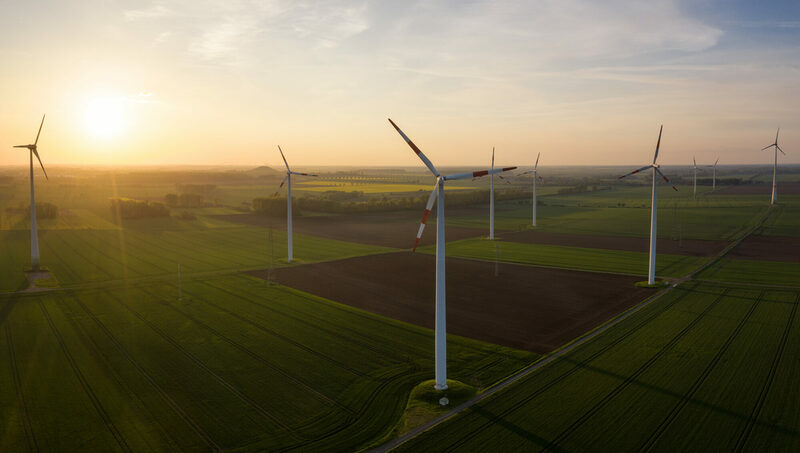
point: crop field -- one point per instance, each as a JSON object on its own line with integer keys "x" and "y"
{"x": 693, "y": 247}
{"x": 592, "y": 259}
{"x": 718, "y": 223}
{"x": 663, "y": 378}
{"x": 785, "y": 220}
{"x": 394, "y": 229}
{"x": 751, "y": 271}
{"x": 519, "y": 306}
{"x": 236, "y": 364}
{"x": 143, "y": 250}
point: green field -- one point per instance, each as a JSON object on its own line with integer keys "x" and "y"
{"x": 750, "y": 271}
{"x": 704, "y": 368}
{"x": 717, "y": 223}
{"x": 153, "y": 247}
{"x": 236, "y": 364}
{"x": 617, "y": 261}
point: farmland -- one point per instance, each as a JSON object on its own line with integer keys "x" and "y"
{"x": 663, "y": 377}
{"x": 324, "y": 355}
{"x": 140, "y": 370}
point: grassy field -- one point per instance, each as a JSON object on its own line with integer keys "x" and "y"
{"x": 624, "y": 262}
{"x": 749, "y": 271}
{"x": 704, "y": 368}
{"x": 152, "y": 247}
{"x": 717, "y": 223}
{"x": 785, "y": 221}
{"x": 236, "y": 364}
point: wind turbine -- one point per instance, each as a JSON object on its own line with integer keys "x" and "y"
{"x": 32, "y": 149}
{"x": 535, "y": 177}
{"x": 653, "y": 208}
{"x": 714, "y": 177}
{"x": 438, "y": 195}
{"x": 288, "y": 179}
{"x": 694, "y": 182}
{"x": 775, "y": 167}
{"x": 491, "y": 202}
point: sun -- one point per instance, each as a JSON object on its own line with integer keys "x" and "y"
{"x": 104, "y": 118}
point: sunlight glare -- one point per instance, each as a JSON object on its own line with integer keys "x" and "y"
{"x": 104, "y": 118}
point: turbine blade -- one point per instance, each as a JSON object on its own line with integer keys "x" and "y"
{"x": 767, "y": 147}
{"x": 667, "y": 179}
{"x": 695, "y": 162}
{"x": 36, "y": 153}
{"x": 658, "y": 144}
{"x": 40, "y": 131}
{"x": 284, "y": 159}
{"x": 492, "y": 156}
{"x": 537, "y": 161}
{"x": 779, "y": 149}
{"x": 20, "y": 146}
{"x": 636, "y": 171}
{"x": 280, "y": 186}
{"x": 776, "y": 135}
{"x": 302, "y": 174}
{"x": 524, "y": 173}
{"x": 477, "y": 174}
{"x": 428, "y": 207}
{"x": 504, "y": 179}
{"x": 416, "y": 150}
{"x": 717, "y": 161}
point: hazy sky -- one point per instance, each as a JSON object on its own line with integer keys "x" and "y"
{"x": 223, "y": 82}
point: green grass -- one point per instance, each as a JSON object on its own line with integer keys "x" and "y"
{"x": 237, "y": 364}
{"x": 424, "y": 403}
{"x": 750, "y": 271}
{"x": 634, "y": 263}
{"x": 143, "y": 250}
{"x": 704, "y": 368}
{"x": 717, "y": 223}
{"x": 785, "y": 220}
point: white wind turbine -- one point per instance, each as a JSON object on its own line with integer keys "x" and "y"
{"x": 32, "y": 149}
{"x": 288, "y": 179}
{"x": 714, "y": 175}
{"x": 491, "y": 202}
{"x": 775, "y": 167}
{"x": 438, "y": 195}
{"x": 535, "y": 177}
{"x": 653, "y": 208}
{"x": 694, "y": 182}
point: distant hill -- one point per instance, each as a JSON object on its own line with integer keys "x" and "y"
{"x": 263, "y": 171}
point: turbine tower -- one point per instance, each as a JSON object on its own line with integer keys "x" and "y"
{"x": 651, "y": 274}
{"x": 288, "y": 179}
{"x": 775, "y": 167}
{"x": 714, "y": 175}
{"x": 535, "y": 177}
{"x": 33, "y": 150}
{"x": 491, "y": 202}
{"x": 438, "y": 195}
{"x": 694, "y": 182}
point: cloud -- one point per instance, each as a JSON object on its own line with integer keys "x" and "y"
{"x": 151, "y": 12}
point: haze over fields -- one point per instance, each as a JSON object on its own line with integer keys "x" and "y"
{"x": 159, "y": 82}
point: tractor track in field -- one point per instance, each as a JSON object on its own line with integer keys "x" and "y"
{"x": 558, "y": 379}
{"x": 97, "y": 352}
{"x": 300, "y": 382}
{"x": 366, "y": 345}
{"x": 638, "y": 372}
{"x": 756, "y": 412}
{"x": 689, "y": 395}
{"x": 149, "y": 378}
{"x": 274, "y": 333}
{"x": 194, "y": 359}
{"x": 26, "y": 419}
{"x": 123, "y": 444}
{"x": 554, "y": 356}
